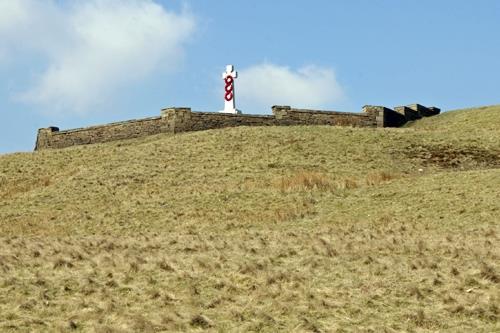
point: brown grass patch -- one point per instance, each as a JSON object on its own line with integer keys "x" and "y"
{"x": 305, "y": 181}
{"x": 9, "y": 189}
{"x": 448, "y": 156}
{"x": 346, "y": 183}
{"x": 317, "y": 181}
{"x": 379, "y": 177}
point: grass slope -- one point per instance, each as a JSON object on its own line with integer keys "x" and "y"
{"x": 485, "y": 118}
{"x": 296, "y": 229}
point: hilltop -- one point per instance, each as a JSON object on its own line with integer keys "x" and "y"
{"x": 300, "y": 228}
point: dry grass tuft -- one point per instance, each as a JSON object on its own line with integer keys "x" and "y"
{"x": 488, "y": 272}
{"x": 201, "y": 321}
{"x": 62, "y": 263}
{"x": 11, "y": 189}
{"x": 316, "y": 181}
{"x": 377, "y": 178}
{"x": 346, "y": 184}
{"x": 166, "y": 266}
{"x": 305, "y": 181}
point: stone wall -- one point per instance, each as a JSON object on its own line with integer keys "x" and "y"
{"x": 401, "y": 114}
{"x": 53, "y": 138}
{"x": 176, "y": 120}
{"x": 184, "y": 120}
{"x": 286, "y": 115}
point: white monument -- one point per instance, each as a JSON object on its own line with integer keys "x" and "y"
{"x": 229, "y": 104}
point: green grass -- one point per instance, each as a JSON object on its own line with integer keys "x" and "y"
{"x": 295, "y": 229}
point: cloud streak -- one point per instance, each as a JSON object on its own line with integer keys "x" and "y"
{"x": 263, "y": 85}
{"x": 92, "y": 48}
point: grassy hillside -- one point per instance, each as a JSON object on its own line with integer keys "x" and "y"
{"x": 485, "y": 118}
{"x": 296, "y": 229}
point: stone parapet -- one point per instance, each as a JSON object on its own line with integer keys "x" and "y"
{"x": 408, "y": 113}
{"x": 99, "y": 134}
{"x": 417, "y": 111}
{"x": 182, "y": 119}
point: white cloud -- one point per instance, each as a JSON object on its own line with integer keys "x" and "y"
{"x": 12, "y": 14}
{"x": 264, "y": 85}
{"x": 93, "y": 47}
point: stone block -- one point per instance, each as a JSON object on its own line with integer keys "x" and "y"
{"x": 409, "y": 113}
{"x": 280, "y": 111}
{"x": 424, "y": 111}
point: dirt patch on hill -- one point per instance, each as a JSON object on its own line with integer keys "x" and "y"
{"x": 452, "y": 157}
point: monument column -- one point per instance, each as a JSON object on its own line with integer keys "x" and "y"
{"x": 229, "y": 101}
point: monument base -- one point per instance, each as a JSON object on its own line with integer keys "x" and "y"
{"x": 233, "y": 111}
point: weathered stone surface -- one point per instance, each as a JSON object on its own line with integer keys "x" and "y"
{"x": 408, "y": 113}
{"x": 182, "y": 119}
{"x": 53, "y": 138}
{"x": 416, "y": 111}
{"x": 385, "y": 117}
{"x": 286, "y": 115}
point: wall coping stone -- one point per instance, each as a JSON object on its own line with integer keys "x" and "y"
{"x": 234, "y": 115}
{"x": 117, "y": 123}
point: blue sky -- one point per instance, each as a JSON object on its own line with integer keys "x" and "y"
{"x": 78, "y": 63}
